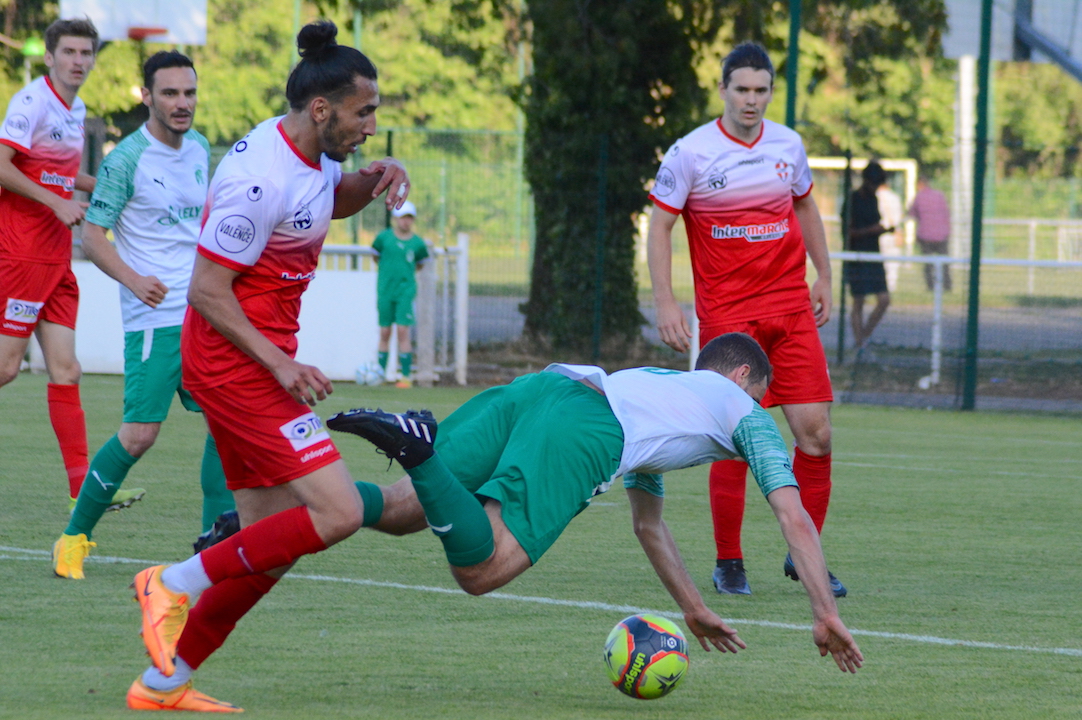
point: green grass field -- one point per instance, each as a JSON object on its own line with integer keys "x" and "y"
{"x": 957, "y": 535}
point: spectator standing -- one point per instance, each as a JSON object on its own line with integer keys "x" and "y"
{"x": 866, "y": 278}
{"x": 400, "y": 253}
{"x": 933, "y": 216}
{"x": 891, "y": 213}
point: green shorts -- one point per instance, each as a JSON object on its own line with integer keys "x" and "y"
{"x": 542, "y": 446}
{"x": 395, "y": 309}
{"x": 152, "y": 375}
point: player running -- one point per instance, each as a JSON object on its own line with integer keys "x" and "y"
{"x": 743, "y": 185}
{"x": 511, "y": 467}
{"x": 268, "y": 210}
{"x": 150, "y": 193}
{"x": 41, "y": 147}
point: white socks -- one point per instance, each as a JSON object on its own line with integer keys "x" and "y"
{"x": 187, "y": 577}
{"x": 154, "y": 679}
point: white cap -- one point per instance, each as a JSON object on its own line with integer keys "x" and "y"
{"x": 406, "y": 209}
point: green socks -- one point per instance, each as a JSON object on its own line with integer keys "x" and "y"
{"x": 405, "y": 362}
{"x": 456, "y": 517}
{"x": 382, "y": 361}
{"x": 104, "y": 477}
{"x": 372, "y": 497}
{"x": 217, "y": 498}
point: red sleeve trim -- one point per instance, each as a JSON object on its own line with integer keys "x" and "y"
{"x": 801, "y": 197}
{"x": 225, "y": 262}
{"x": 663, "y": 206}
{"x": 13, "y": 144}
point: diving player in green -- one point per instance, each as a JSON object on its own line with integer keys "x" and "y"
{"x": 400, "y": 254}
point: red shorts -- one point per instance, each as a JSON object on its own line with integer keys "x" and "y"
{"x": 265, "y": 437}
{"x": 30, "y": 292}
{"x": 795, "y": 351}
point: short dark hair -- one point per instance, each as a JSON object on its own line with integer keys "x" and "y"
{"x": 79, "y": 27}
{"x": 161, "y": 60}
{"x": 727, "y": 352}
{"x": 326, "y": 69}
{"x": 873, "y": 174}
{"x": 746, "y": 55}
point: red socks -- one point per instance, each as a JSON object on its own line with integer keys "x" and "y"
{"x": 273, "y": 542}
{"x": 69, "y": 424}
{"x": 728, "y": 481}
{"x": 813, "y": 475}
{"x": 217, "y": 613}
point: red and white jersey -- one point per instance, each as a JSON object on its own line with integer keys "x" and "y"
{"x": 48, "y": 138}
{"x": 268, "y": 210}
{"x": 747, "y": 250}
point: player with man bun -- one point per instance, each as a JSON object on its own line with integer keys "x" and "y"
{"x": 268, "y": 210}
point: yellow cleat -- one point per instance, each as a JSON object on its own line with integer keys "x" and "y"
{"x": 71, "y": 504}
{"x": 404, "y": 383}
{"x": 68, "y": 555}
{"x": 125, "y": 498}
{"x": 185, "y": 697}
{"x": 164, "y": 615}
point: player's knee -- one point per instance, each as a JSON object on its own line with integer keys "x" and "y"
{"x": 8, "y": 372}
{"x": 347, "y": 521}
{"x": 475, "y": 583}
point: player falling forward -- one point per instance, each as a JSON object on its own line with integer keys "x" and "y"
{"x": 41, "y": 147}
{"x": 510, "y": 469}
{"x": 150, "y": 193}
{"x": 268, "y": 210}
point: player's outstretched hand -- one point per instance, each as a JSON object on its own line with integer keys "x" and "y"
{"x": 395, "y": 180}
{"x": 711, "y": 630}
{"x": 672, "y": 326}
{"x": 69, "y": 212}
{"x": 832, "y": 637}
{"x": 820, "y": 300}
{"x": 149, "y": 289}
{"x": 306, "y": 383}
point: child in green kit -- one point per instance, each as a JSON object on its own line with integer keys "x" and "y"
{"x": 400, "y": 252}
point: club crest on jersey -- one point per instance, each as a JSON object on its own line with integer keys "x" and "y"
{"x": 304, "y": 431}
{"x": 763, "y": 232}
{"x": 17, "y": 125}
{"x": 199, "y": 176}
{"x": 782, "y": 168}
{"x": 56, "y": 135}
{"x": 664, "y": 183}
{"x": 234, "y": 233}
{"x": 302, "y": 219}
{"x": 22, "y": 311}
{"x": 717, "y": 180}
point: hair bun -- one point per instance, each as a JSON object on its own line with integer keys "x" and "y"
{"x": 315, "y": 38}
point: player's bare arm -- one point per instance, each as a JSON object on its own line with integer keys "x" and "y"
{"x": 828, "y": 631}
{"x": 85, "y": 182}
{"x": 392, "y": 177}
{"x": 815, "y": 242}
{"x": 658, "y": 544}
{"x": 211, "y": 295}
{"x": 357, "y": 190}
{"x": 672, "y": 326}
{"x": 149, "y": 289}
{"x": 12, "y": 179}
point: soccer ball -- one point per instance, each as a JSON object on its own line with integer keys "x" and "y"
{"x": 647, "y": 656}
{"x": 369, "y": 373}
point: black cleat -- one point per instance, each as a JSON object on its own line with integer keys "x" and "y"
{"x": 228, "y": 523}
{"x": 406, "y": 437}
{"x": 836, "y": 586}
{"x": 730, "y": 578}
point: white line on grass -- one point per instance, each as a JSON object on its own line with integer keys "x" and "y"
{"x": 28, "y": 554}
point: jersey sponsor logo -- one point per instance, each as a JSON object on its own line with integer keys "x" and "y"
{"x": 304, "y": 431}
{"x": 664, "y": 183}
{"x": 234, "y": 233}
{"x": 717, "y": 180}
{"x": 752, "y": 233}
{"x": 299, "y": 276}
{"x": 302, "y": 219}
{"x": 781, "y": 167}
{"x": 317, "y": 453}
{"x": 22, "y": 311}
{"x": 48, "y": 178}
{"x": 175, "y": 215}
{"x": 255, "y": 193}
{"x": 752, "y": 161}
{"x": 101, "y": 204}
{"x": 17, "y": 125}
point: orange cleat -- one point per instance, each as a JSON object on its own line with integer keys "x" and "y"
{"x": 164, "y": 616}
{"x": 185, "y": 697}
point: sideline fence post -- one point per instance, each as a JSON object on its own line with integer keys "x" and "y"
{"x": 462, "y": 307}
{"x": 426, "y": 323}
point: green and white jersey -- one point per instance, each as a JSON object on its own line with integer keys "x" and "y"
{"x": 152, "y": 198}
{"x": 673, "y": 419}
{"x": 398, "y": 263}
